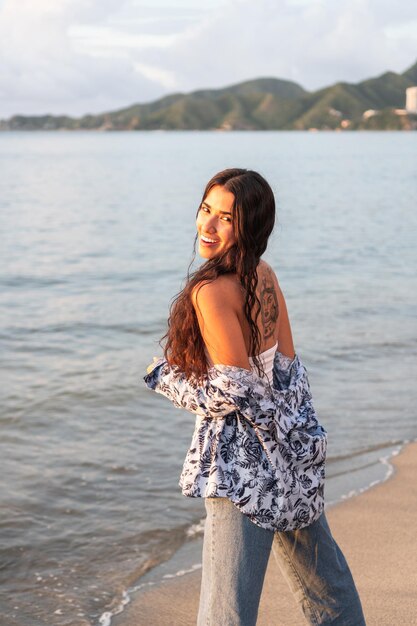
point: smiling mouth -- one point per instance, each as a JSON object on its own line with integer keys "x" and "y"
{"x": 208, "y": 240}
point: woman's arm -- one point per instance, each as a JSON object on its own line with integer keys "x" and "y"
{"x": 220, "y": 328}
{"x": 227, "y": 389}
{"x": 230, "y": 385}
{"x": 283, "y": 334}
{"x": 285, "y": 340}
{"x": 222, "y": 335}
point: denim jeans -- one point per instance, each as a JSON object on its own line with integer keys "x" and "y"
{"x": 235, "y": 557}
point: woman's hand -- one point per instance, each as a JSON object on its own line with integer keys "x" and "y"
{"x": 151, "y": 365}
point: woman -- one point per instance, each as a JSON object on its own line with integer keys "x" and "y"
{"x": 257, "y": 454}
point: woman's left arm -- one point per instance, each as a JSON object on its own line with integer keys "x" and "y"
{"x": 224, "y": 390}
{"x": 230, "y": 385}
{"x": 216, "y": 306}
{"x": 222, "y": 335}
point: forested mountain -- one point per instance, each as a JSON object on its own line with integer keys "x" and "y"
{"x": 260, "y": 104}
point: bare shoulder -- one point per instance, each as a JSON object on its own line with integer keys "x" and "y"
{"x": 216, "y": 308}
{"x": 282, "y": 329}
{"x": 222, "y": 292}
{"x": 267, "y": 274}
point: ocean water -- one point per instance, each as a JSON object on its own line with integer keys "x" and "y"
{"x": 96, "y": 235}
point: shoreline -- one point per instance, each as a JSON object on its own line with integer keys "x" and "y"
{"x": 374, "y": 528}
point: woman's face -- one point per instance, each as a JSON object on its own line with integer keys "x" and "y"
{"x": 214, "y": 223}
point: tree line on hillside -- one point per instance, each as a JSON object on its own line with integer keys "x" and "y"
{"x": 260, "y": 104}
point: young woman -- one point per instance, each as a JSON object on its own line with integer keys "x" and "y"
{"x": 258, "y": 451}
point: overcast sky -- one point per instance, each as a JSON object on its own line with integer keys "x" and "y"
{"x": 79, "y": 56}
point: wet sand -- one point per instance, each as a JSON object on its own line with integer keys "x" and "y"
{"x": 377, "y": 533}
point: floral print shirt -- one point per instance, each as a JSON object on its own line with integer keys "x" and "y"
{"x": 259, "y": 445}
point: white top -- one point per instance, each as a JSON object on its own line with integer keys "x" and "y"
{"x": 267, "y": 359}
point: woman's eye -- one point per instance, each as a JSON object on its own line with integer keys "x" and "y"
{"x": 223, "y": 217}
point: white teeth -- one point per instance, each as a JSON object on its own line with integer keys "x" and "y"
{"x": 207, "y": 240}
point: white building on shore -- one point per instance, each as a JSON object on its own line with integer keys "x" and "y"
{"x": 369, "y": 113}
{"x": 411, "y": 100}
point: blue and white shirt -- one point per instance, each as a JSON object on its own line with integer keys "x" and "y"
{"x": 260, "y": 445}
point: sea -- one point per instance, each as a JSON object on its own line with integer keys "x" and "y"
{"x": 96, "y": 235}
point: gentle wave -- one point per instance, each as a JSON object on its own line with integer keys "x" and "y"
{"x": 196, "y": 530}
{"x": 96, "y": 248}
{"x": 363, "y": 451}
{"x": 68, "y": 328}
{"x": 84, "y": 279}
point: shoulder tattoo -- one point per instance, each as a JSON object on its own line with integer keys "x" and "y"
{"x": 269, "y": 304}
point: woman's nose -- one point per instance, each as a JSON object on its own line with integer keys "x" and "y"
{"x": 210, "y": 224}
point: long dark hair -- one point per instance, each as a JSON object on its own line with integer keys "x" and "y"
{"x": 253, "y": 217}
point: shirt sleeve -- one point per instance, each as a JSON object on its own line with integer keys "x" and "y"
{"x": 227, "y": 389}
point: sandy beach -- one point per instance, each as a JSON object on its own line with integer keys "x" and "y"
{"x": 376, "y": 531}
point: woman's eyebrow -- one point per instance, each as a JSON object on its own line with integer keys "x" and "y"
{"x": 209, "y": 207}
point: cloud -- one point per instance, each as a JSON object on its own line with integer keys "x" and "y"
{"x": 41, "y": 69}
{"x": 314, "y": 43}
{"x": 77, "y": 56}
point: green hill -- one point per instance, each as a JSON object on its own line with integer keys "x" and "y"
{"x": 411, "y": 74}
{"x": 260, "y": 104}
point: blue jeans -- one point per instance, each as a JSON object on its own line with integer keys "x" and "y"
{"x": 235, "y": 557}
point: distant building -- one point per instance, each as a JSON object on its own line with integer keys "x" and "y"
{"x": 369, "y": 113}
{"x": 335, "y": 112}
{"x": 411, "y": 100}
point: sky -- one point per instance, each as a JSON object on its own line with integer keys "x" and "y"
{"x": 90, "y": 56}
